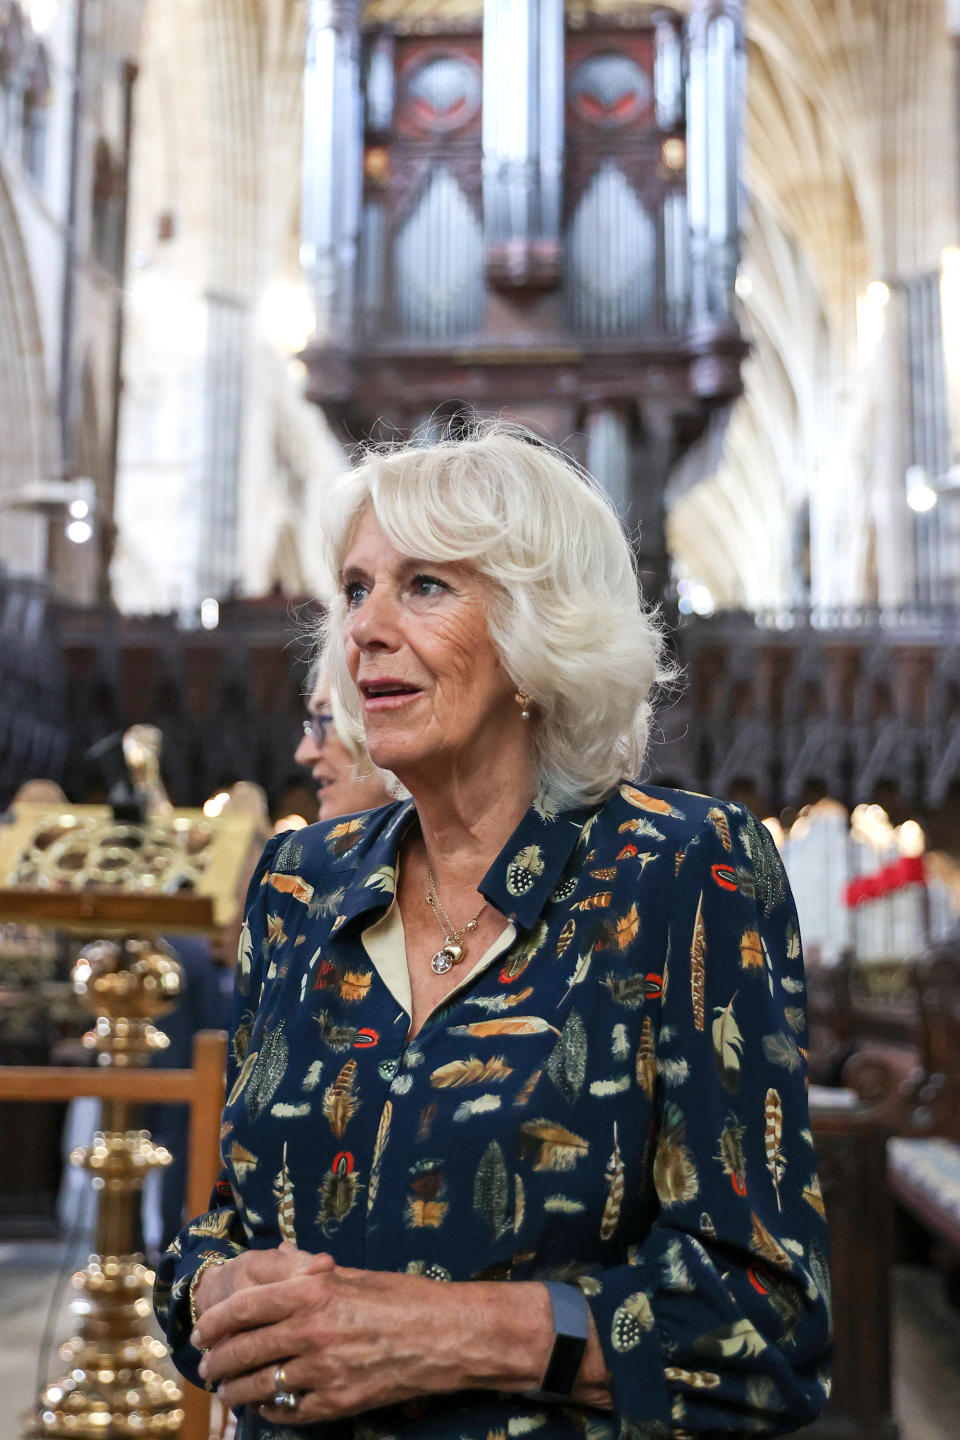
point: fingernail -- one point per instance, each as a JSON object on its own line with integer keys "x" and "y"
{"x": 202, "y": 1367}
{"x": 195, "y": 1339}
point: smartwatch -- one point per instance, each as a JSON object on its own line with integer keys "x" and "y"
{"x": 571, "y": 1328}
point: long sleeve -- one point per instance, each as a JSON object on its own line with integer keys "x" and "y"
{"x": 720, "y": 1321}
{"x": 219, "y": 1232}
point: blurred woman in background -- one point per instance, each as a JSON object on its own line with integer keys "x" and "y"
{"x": 347, "y": 779}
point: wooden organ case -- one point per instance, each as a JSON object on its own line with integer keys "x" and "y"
{"x": 528, "y": 208}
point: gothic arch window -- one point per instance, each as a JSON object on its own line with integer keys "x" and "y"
{"x": 286, "y": 566}
{"x": 105, "y": 232}
{"x": 12, "y": 45}
{"x": 33, "y": 125}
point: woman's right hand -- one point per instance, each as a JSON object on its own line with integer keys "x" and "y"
{"x": 255, "y": 1267}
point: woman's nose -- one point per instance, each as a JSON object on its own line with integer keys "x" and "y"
{"x": 306, "y": 752}
{"x": 374, "y": 624}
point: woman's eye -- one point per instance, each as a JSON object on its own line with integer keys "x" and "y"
{"x": 354, "y": 593}
{"x": 428, "y": 585}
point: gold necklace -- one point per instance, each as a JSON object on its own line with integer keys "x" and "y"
{"x": 454, "y": 948}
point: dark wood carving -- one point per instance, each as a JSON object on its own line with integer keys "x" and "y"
{"x": 851, "y": 1155}
{"x": 905, "y": 1057}
{"x": 764, "y": 715}
{"x": 857, "y": 705}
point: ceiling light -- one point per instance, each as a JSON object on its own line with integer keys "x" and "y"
{"x": 209, "y": 613}
{"x": 701, "y": 599}
{"x": 921, "y": 495}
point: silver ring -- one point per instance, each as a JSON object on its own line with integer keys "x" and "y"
{"x": 283, "y": 1398}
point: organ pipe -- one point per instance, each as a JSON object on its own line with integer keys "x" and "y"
{"x": 668, "y": 70}
{"x": 332, "y": 163}
{"x": 523, "y": 96}
{"x": 715, "y": 101}
{"x": 608, "y": 453}
{"x": 380, "y": 88}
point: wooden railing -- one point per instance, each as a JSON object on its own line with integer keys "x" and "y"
{"x": 781, "y": 708}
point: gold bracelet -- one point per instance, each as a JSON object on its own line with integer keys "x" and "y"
{"x": 202, "y": 1268}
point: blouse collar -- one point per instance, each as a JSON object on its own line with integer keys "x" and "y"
{"x": 518, "y": 883}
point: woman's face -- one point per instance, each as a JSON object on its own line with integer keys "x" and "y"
{"x": 433, "y": 691}
{"x": 343, "y": 783}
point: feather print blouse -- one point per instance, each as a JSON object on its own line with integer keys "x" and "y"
{"x": 616, "y": 1101}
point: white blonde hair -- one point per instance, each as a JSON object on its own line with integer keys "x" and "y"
{"x": 565, "y": 613}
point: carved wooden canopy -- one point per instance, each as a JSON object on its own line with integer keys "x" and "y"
{"x": 422, "y": 16}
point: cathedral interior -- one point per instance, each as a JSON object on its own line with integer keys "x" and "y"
{"x": 711, "y": 248}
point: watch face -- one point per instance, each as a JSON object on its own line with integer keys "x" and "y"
{"x": 564, "y": 1364}
{"x": 571, "y": 1324}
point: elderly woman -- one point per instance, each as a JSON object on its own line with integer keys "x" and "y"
{"x": 516, "y": 1136}
{"x": 346, "y": 778}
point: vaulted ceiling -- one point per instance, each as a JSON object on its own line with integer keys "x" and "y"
{"x": 849, "y": 170}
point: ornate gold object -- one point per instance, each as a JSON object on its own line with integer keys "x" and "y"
{"x": 80, "y": 869}
{"x": 123, "y": 985}
{"x": 84, "y": 851}
{"x": 142, "y": 745}
{"x": 117, "y": 1381}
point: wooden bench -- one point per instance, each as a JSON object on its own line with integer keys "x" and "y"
{"x": 916, "y": 1095}
{"x": 924, "y": 1178}
{"x": 851, "y": 1006}
{"x": 850, "y": 1144}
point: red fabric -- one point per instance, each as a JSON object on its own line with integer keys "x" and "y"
{"x": 908, "y": 870}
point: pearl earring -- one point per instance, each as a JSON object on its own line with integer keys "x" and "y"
{"x": 523, "y": 700}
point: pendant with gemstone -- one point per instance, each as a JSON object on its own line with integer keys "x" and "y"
{"x": 445, "y": 957}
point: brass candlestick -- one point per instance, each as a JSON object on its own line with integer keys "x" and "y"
{"x": 118, "y": 1381}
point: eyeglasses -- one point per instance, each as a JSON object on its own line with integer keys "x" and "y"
{"x": 317, "y": 727}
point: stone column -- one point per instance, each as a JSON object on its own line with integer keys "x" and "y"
{"x": 332, "y": 165}
{"x": 715, "y": 105}
{"x": 608, "y": 454}
{"x": 523, "y": 98}
{"x": 895, "y": 549}
{"x": 631, "y": 461}
{"x": 228, "y": 339}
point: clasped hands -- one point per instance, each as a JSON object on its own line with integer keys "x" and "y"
{"x": 351, "y": 1340}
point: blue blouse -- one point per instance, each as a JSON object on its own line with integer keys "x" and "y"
{"x": 617, "y": 1100}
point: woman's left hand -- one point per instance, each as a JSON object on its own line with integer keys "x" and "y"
{"x": 351, "y": 1340}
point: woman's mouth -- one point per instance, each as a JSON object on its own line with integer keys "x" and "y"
{"x": 387, "y": 693}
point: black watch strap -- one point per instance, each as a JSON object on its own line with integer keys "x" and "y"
{"x": 571, "y": 1326}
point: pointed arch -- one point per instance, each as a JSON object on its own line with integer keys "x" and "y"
{"x": 26, "y": 454}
